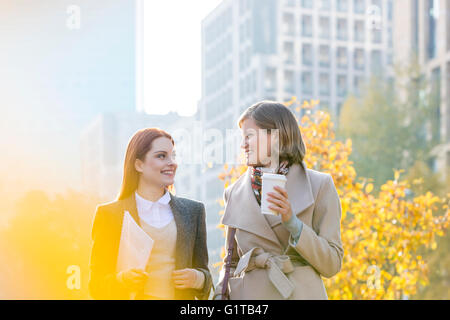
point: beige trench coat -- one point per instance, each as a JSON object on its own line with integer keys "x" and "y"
{"x": 318, "y": 252}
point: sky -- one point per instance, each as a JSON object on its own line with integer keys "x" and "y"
{"x": 55, "y": 80}
{"x": 172, "y": 32}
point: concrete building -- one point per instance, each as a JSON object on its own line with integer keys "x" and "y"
{"x": 422, "y": 29}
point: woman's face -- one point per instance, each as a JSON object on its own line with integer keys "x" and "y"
{"x": 256, "y": 144}
{"x": 159, "y": 165}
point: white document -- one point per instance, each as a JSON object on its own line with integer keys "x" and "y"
{"x": 135, "y": 245}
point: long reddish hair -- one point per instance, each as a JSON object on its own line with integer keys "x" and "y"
{"x": 139, "y": 145}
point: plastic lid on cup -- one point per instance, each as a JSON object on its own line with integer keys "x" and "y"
{"x": 274, "y": 176}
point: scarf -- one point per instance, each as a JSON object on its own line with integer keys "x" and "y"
{"x": 256, "y": 178}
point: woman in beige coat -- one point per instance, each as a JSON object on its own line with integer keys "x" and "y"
{"x": 280, "y": 256}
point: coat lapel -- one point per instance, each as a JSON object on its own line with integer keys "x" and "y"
{"x": 129, "y": 204}
{"x": 184, "y": 230}
{"x": 298, "y": 186}
{"x": 182, "y": 221}
{"x": 243, "y": 212}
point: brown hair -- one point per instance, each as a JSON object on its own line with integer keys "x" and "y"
{"x": 273, "y": 115}
{"x": 139, "y": 145}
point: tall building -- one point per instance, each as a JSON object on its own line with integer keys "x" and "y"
{"x": 422, "y": 29}
{"x": 277, "y": 49}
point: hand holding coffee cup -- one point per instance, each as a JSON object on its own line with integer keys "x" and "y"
{"x": 274, "y": 198}
{"x": 281, "y": 203}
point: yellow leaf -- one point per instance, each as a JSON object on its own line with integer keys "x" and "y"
{"x": 369, "y": 188}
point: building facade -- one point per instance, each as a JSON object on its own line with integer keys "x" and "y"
{"x": 422, "y": 31}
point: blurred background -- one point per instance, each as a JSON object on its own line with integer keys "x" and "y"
{"x": 78, "y": 78}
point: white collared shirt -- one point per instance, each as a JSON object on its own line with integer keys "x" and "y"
{"x": 157, "y": 214}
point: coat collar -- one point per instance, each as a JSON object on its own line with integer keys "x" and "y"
{"x": 243, "y": 212}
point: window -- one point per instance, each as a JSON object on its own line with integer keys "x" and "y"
{"x": 307, "y": 4}
{"x": 325, "y": 5}
{"x": 341, "y": 57}
{"x": 248, "y": 55}
{"x": 289, "y": 85}
{"x": 377, "y": 3}
{"x": 359, "y": 60}
{"x": 288, "y": 49}
{"x": 390, "y": 9}
{"x": 307, "y": 54}
{"x": 358, "y": 6}
{"x": 376, "y": 35}
{"x": 324, "y": 105}
{"x": 241, "y": 33}
{"x": 342, "y": 5}
{"x": 324, "y": 28}
{"x": 307, "y": 82}
{"x": 338, "y": 108}
{"x": 242, "y": 7}
{"x": 436, "y": 103}
{"x": 324, "y": 56}
{"x": 389, "y": 35}
{"x": 358, "y": 83}
{"x": 248, "y": 29}
{"x": 376, "y": 62}
{"x": 290, "y": 3}
{"x": 270, "y": 79}
{"x": 324, "y": 84}
{"x": 359, "y": 31}
{"x": 342, "y": 29}
{"x": 288, "y": 24}
{"x": 341, "y": 85}
{"x": 307, "y": 26}
{"x": 433, "y": 12}
{"x": 241, "y": 60}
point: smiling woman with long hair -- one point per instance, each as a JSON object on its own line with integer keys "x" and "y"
{"x": 178, "y": 264}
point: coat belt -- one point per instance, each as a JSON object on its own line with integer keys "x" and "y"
{"x": 277, "y": 267}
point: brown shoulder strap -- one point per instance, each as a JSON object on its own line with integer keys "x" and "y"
{"x": 230, "y": 241}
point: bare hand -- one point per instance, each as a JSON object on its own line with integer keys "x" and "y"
{"x": 281, "y": 203}
{"x": 134, "y": 279}
{"x": 184, "y": 278}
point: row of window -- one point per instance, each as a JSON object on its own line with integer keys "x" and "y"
{"x": 342, "y": 30}
{"x": 245, "y": 30}
{"x": 219, "y": 26}
{"x": 324, "y": 56}
{"x": 217, "y": 53}
{"x": 219, "y": 104}
{"x": 219, "y": 78}
{"x": 247, "y": 85}
{"x": 244, "y": 6}
{"x": 359, "y": 6}
{"x": 307, "y": 83}
{"x": 245, "y": 58}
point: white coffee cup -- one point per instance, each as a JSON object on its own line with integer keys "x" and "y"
{"x": 269, "y": 181}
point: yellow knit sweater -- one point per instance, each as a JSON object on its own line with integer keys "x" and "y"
{"x": 161, "y": 263}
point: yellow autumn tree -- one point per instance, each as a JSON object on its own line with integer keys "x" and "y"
{"x": 385, "y": 234}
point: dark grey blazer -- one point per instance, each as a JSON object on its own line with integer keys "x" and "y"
{"x": 191, "y": 249}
